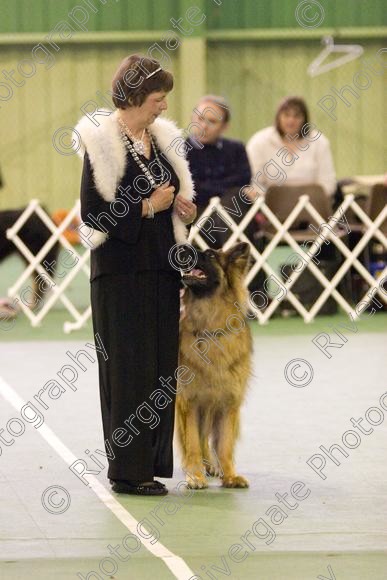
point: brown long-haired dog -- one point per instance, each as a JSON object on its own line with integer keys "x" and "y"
{"x": 216, "y": 346}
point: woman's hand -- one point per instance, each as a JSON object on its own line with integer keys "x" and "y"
{"x": 186, "y": 210}
{"x": 162, "y": 197}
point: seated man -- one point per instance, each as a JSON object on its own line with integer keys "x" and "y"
{"x": 219, "y": 166}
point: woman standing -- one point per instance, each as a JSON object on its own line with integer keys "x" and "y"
{"x": 136, "y": 200}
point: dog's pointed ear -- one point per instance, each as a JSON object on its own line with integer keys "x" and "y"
{"x": 238, "y": 254}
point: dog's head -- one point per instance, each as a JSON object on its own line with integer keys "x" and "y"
{"x": 218, "y": 270}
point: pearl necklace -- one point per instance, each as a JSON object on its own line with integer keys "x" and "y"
{"x": 143, "y": 167}
{"x": 138, "y": 144}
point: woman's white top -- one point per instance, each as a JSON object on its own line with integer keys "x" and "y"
{"x": 269, "y": 155}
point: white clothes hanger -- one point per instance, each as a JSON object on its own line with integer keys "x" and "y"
{"x": 352, "y": 51}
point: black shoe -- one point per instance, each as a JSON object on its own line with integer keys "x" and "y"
{"x": 138, "y": 488}
{"x": 155, "y": 482}
{"x": 159, "y": 484}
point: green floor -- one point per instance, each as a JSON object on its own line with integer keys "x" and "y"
{"x": 295, "y": 566}
{"x": 342, "y": 523}
{"x": 338, "y": 532}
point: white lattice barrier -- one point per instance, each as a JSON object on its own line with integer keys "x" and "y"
{"x": 57, "y": 291}
{"x": 282, "y": 234}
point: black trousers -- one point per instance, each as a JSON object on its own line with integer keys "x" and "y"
{"x": 137, "y": 318}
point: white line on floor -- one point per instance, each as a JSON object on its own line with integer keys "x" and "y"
{"x": 177, "y": 565}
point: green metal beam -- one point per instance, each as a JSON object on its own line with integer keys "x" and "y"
{"x": 83, "y": 37}
{"x": 296, "y": 33}
{"x": 257, "y": 34}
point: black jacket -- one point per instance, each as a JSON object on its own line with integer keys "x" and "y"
{"x": 134, "y": 242}
{"x": 217, "y": 168}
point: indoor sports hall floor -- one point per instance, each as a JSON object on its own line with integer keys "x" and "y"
{"x": 337, "y": 531}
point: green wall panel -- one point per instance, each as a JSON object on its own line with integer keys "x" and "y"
{"x": 255, "y": 76}
{"x": 10, "y": 20}
{"x": 43, "y": 15}
{"x": 138, "y": 18}
{"x": 281, "y": 13}
{"x": 31, "y": 166}
{"x": 365, "y": 13}
{"x": 32, "y": 16}
{"x": 252, "y": 74}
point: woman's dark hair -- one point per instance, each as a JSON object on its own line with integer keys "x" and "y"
{"x": 130, "y": 84}
{"x": 299, "y": 105}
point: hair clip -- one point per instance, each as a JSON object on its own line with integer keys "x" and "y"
{"x": 153, "y": 73}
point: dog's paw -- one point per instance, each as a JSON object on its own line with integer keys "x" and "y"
{"x": 213, "y": 471}
{"x": 197, "y": 482}
{"x": 235, "y": 481}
